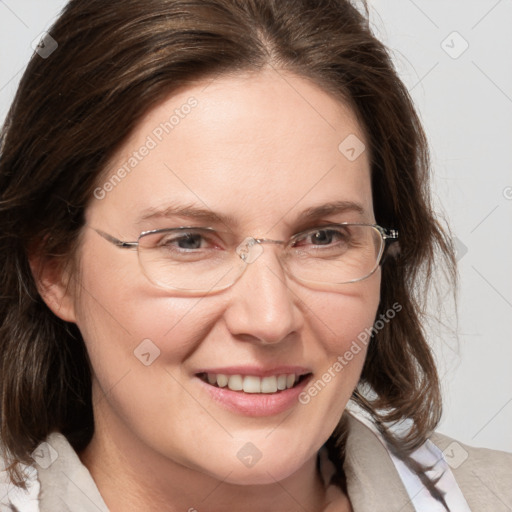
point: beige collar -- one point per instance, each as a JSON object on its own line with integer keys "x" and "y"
{"x": 373, "y": 483}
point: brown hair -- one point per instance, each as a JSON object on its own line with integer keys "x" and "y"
{"x": 73, "y": 110}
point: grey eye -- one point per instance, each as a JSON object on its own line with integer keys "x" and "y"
{"x": 323, "y": 237}
{"x": 188, "y": 241}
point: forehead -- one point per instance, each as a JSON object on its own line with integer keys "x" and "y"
{"x": 258, "y": 147}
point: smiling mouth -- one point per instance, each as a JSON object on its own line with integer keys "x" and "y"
{"x": 252, "y": 383}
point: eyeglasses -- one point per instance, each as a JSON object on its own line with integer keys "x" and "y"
{"x": 197, "y": 260}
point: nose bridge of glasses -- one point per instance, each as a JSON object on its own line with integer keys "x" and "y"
{"x": 250, "y": 249}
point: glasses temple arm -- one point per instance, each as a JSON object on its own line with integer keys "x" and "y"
{"x": 116, "y": 241}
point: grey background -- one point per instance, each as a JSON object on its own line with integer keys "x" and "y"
{"x": 464, "y": 96}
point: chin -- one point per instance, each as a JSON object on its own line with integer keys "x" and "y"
{"x": 250, "y": 466}
{"x": 262, "y": 473}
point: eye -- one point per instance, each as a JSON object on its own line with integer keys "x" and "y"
{"x": 323, "y": 237}
{"x": 186, "y": 241}
{"x": 178, "y": 242}
{"x": 189, "y": 240}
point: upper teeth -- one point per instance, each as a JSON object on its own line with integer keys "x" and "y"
{"x": 253, "y": 384}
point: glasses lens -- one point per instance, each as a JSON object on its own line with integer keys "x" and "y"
{"x": 336, "y": 254}
{"x": 189, "y": 260}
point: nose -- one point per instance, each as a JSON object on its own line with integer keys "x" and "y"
{"x": 262, "y": 306}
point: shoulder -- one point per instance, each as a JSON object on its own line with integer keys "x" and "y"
{"x": 485, "y": 476}
{"x": 467, "y": 478}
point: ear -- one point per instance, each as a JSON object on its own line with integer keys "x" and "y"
{"x": 53, "y": 283}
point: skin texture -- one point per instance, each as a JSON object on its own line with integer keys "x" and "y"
{"x": 262, "y": 148}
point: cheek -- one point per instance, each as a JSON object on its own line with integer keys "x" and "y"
{"x": 341, "y": 317}
{"x": 137, "y": 342}
{"x": 127, "y": 325}
{"x": 118, "y": 327}
{"x": 342, "y": 325}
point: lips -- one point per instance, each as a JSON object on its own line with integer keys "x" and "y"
{"x": 255, "y": 391}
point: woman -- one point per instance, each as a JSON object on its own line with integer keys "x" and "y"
{"x": 216, "y": 231}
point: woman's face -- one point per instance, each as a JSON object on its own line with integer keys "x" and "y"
{"x": 259, "y": 152}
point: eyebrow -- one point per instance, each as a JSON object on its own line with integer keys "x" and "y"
{"x": 188, "y": 211}
{"x": 206, "y": 215}
{"x": 332, "y": 208}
